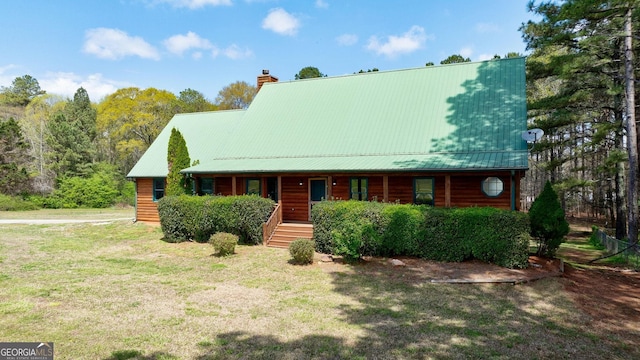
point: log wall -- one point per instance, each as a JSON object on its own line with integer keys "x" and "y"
{"x": 146, "y": 208}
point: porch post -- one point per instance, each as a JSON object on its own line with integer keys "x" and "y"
{"x": 279, "y": 188}
{"x": 447, "y": 191}
{"x": 513, "y": 190}
{"x": 385, "y": 188}
{"x": 233, "y": 186}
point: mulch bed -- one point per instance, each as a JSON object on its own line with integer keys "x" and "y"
{"x": 420, "y": 270}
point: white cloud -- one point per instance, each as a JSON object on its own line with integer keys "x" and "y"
{"x": 66, "y": 84}
{"x": 321, "y": 4}
{"x": 408, "y": 42}
{"x": 114, "y": 44}
{"x": 347, "y": 39}
{"x": 484, "y": 28}
{"x": 234, "y": 52}
{"x": 281, "y": 22}
{"x": 178, "y": 44}
{"x": 195, "y": 4}
{"x": 215, "y": 52}
{"x": 466, "y": 52}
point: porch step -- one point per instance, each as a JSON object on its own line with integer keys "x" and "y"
{"x": 285, "y": 233}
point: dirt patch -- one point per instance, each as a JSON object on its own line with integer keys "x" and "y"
{"x": 609, "y": 294}
{"x": 611, "y": 297}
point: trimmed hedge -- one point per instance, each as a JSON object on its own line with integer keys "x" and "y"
{"x": 196, "y": 218}
{"x": 355, "y": 228}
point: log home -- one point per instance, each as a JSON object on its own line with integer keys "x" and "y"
{"x": 445, "y": 135}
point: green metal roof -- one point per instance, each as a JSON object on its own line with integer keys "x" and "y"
{"x": 205, "y": 134}
{"x": 467, "y": 116}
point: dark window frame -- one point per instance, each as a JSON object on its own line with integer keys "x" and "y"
{"x": 210, "y": 191}
{"x": 247, "y": 181}
{"x": 362, "y": 192}
{"x": 156, "y": 189}
{"x": 416, "y": 200}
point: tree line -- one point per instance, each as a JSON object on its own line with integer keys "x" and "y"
{"x": 49, "y": 143}
{"x": 581, "y": 74}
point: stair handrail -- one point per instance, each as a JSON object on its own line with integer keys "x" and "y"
{"x": 274, "y": 220}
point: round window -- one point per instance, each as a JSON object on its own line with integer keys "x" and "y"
{"x": 492, "y": 186}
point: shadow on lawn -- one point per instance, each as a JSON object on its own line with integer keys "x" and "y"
{"x": 402, "y": 318}
{"x": 137, "y": 355}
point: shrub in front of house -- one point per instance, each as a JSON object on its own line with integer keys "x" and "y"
{"x": 441, "y": 240}
{"x": 496, "y": 236}
{"x": 402, "y": 228}
{"x": 302, "y": 251}
{"x": 196, "y": 218}
{"x": 224, "y": 243}
{"x": 251, "y": 212}
{"x": 548, "y": 223}
{"x": 173, "y": 218}
{"x": 353, "y": 229}
{"x": 340, "y": 219}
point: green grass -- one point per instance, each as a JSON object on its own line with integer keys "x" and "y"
{"x": 82, "y": 214}
{"x": 116, "y": 291}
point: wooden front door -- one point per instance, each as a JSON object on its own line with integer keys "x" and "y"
{"x": 317, "y": 192}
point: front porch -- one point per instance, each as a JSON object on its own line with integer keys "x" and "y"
{"x": 275, "y": 233}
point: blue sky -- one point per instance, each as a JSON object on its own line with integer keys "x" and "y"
{"x": 207, "y": 44}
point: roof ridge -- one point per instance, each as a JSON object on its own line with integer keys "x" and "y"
{"x": 392, "y": 71}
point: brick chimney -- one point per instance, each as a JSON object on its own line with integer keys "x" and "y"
{"x": 265, "y": 78}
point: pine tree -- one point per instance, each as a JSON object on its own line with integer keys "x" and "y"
{"x": 71, "y": 137}
{"x": 548, "y": 224}
{"x": 177, "y": 159}
{"x": 14, "y": 154}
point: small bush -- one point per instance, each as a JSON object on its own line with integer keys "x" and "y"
{"x": 302, "y": 251}
{"x": 224, "y": 243}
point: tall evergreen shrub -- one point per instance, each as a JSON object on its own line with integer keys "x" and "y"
{"x": 177, "y": 159}
{"x": 548, "y": 224}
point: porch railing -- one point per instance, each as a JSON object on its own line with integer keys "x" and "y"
{"x": 270, "y": 226}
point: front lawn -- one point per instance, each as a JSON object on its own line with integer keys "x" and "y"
{"x": 116, "y": 291}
